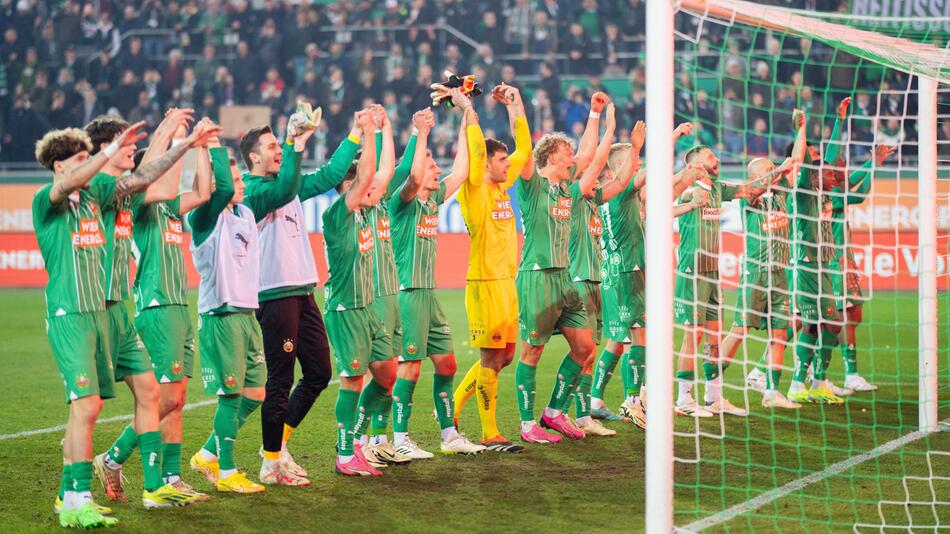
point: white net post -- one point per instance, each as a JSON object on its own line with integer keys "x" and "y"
{"x": 659, "y": 248}
{"x": 927, "y": 252}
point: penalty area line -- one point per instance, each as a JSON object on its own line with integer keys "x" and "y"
{"x": 113, "y": 419}
{"x": 796, "y": 485}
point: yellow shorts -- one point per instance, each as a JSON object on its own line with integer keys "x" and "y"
{"x": 492, "y": 307}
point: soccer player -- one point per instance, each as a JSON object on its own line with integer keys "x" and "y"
{"x": 763, "y": 299}
{"x": 490, "y": 296}
{"x": 131, "y": 362}
{"x": 622, "y": 290}
{"x": 379, "y": 451}
{"x": 360, "y": 341}
{"x": 547, "y": 298}
{"x": 290, "y": 319}
{"x": 415, "y": 223}
{"x": 585, "y": 250}
{"x": 69, "y": 229}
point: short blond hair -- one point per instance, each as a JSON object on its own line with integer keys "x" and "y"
{"x": 619, "y": 152}
{"x": 547, "y": 145}
{"x": 59, "y": 145}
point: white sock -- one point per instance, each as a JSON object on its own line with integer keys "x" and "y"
{"x": 71, "y": 500}
{"x": 815, "y": 383}
{"x": 110, "y": 463}
{"x": 363, "y": 440}
{"x": 795, "y": 387}
{"x": 755, "y": 374}
{"x": 400, "y": 437}
{"x": 526, "y": 426}
{"x": 770, "y": 394}
{"x": 171, "y": 479}
{"x": 343, "y": 459}
{"x": 714, "y": 389}
{"x": 379, "y": 439}
{"x": 551, "y": 413}
{"x": 207, "y": 455}
{"x": 225, "y": 473}
{"x": 267, "y": 464}
{"x": 685, "y": 389}
{"x": 448, "y": 434}
{"x": 586, "y": 420}
{"x": 597, "y": 404}
{"x": 630, "y": 398}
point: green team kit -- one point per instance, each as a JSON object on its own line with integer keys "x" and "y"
{"x": 623, "y": 284}
{"x": 415, "y": 230}
{"x": 585, "y": 252}
{"x": 547, "y": 298}
{"x": 71, "y": 237}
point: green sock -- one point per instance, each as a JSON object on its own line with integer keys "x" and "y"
{"x": 444, "y": 400}
{"x": 346, "y": 402}
{"x": 124, "y": 445}
{"x": 81, "y": 475}
{"x": 402, "y": 404}
{"x": 225, "y": 429}
{"x": 380, "y": 421}
{"x": 850, "y": 355}
{"x": 248, "y": 406}
{"x": 582, "y": 396}
{"x": 636, "y": 364}
{"x": 367, "y": 405}
{"x": 829, "y": 340}
{"x": 150, "y": 447}
{"x": 711, "y": 370}
{"x": 525, "y": 376}
{"x": 603, "y": 370}
{"x": 772, "y": 378}
{"x": 567, "y": 376}
{"x": 66, "y": 480}
{"x": 171, "y": 460}
{"x": 763, "y": 364}
{"x": 804, "y": 354}
{"x": 685, "y": 376}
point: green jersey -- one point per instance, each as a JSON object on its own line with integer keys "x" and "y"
{"x": 117, "y": 220}
{"x": 841, "y": 199}
{"x": 586, "y": 232}
{"x": 812, "y": 214}
{"x": 349, "y": 240}
{"x": 767, "y": 238}
{"x": 157, "y": 232}
{"x": 387, "y": 281}
{"x": 415, "y": 227}
{"x": 72, "y": 241}
{"x": 622, "y": 239}
{"x": 699, "y": 228}
{"x": 546, "y": 209}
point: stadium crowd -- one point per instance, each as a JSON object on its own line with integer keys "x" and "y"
{"x": 64, "y": 63}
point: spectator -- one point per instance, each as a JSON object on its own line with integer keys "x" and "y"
{"x": 489, "y": 32}
{"x": 190, "y": 94}
{"x": 269, "y": 45}
{"x": 41, "y": 93}
{"x": 206, "y": 68}
{"x": 30, "y": 126}
{"x": 133, "y": 58}
{"x": 576, "y": 108}
{"x": 550, "y": 81}
{"x": 589, "y": 17}
{"x": 61, "y": 115}
{"x": 103, "y": 73}
{"x": 127, "y": 93}
{"x": 577, "y": 48}
{"x": 518, "y": 28}
{"x": 91, "y": 106}
{"x": 485, "y": 59}
{"x": 312, "y": 88}
{"x": 611, "y": 48}
{"x": 272, "y": 89}
{"x": 171, "y": 77}
{"x": 543, "y": 36}
{"x": 223, "y": 87}
{"x": 757, "y": 141}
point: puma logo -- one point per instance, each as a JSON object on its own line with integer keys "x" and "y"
{"x": 288, "y": 218}
{"x": 240, "y": 237}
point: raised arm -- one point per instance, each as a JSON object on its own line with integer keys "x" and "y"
{"x": 696, "y": 199}
{"x": 587, "y": 148}
{"x": 147, "y": 173}
{"x": 201, "y": 192}
{"x": 632, "y": 164}
{"x": 861, "y": 180}
{"x": 461, "y": 166}
{"x": 588, "y": 180}
{"x": 83, "y": 174}
{"x": 419, "y": 162}
{"x": 174, "y": 129}
{"x": 477, "y": 155}
{"x": 522, "y": 159}
{"x": 834, "y": 147}
{"x": 204, "y": 218}
{"x": 385, "y": 157}
{"x": 366, "y": 167}
{"x": 332, "y": 173}
{"x": 421, "y": 120}
{"x": 684, "y": 179}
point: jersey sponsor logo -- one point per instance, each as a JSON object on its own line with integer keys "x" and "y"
{"x": 123, "y": 224}
{"x": 383, "y": 229}
{"x": 595, "y": 226}
{"x": 562, "y": 210}
{"x": 428, "y": 226}
{"x": 774, "y": 221}
{"x": 366, "y": 240}
{"x": 89, "y": 234}
{"x": 172, "y": 236}
{"x": 502, "y": 211}
{"x": 711, "y": 214}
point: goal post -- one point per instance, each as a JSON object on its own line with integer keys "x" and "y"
{"x": 927, "y": 251}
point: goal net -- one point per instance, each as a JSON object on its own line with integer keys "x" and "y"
{"x": 835, "y": 269}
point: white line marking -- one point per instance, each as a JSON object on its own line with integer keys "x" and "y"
{"x": 799, "y": 484}
{"x": 114, "y": 419}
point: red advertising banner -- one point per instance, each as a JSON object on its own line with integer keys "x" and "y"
{"x": 888, "y": 260}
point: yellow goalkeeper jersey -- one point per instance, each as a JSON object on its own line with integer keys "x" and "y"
{"x": 486, "y": 208}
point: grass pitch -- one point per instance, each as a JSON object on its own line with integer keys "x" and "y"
{"x": 593, "y": 484}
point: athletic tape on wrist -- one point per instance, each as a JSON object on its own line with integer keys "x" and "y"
{"x": 111, "y": 150}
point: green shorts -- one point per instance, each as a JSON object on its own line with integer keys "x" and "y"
{"x": 80, "y": 343}
{"x": 848, "y": 294}
{"x": 232, "y": 352}
{"x": 358, "y": 339}
{"x": 386, "y": 308}
{"x": 624, "y": 304}
{"x": 762, "y": 301}
{"x": 814, "y": 293}
{"x": 128, "y": 352}
{"x": 697, "y": 297}
{"x": 170, "y": 340}
{"x": 590, "y": 296}
{"x": 428, "y": 333}
{"x": 547, "y": 302}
